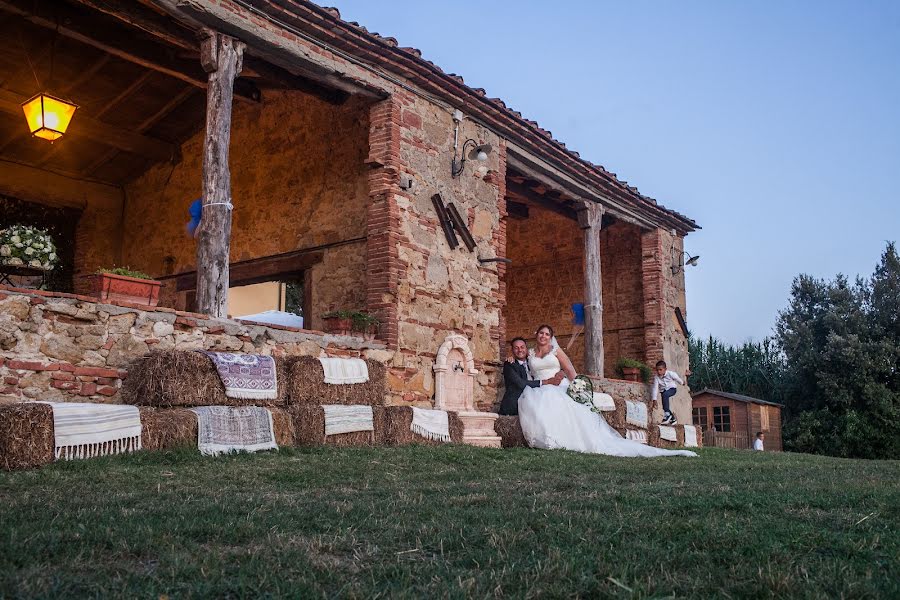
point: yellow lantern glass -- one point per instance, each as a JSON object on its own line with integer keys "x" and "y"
{"x": 48, "y": 117}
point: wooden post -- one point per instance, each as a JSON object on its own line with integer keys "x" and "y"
{"x": 590, "y": 217}
{"x": 221, "y": 57}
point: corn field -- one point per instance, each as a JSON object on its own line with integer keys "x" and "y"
{"x": 753, "y": 369}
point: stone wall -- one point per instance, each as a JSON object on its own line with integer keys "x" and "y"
{"x": 298, "y": 181}
{"x": 64, "y": 347}
{"x": 436, "y": 290}
{"x": 547, "y": 276}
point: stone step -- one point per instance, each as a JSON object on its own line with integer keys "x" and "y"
{"x": 483, "y": 441}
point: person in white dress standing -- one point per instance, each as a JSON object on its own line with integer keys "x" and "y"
{"x": 550, "y": 419}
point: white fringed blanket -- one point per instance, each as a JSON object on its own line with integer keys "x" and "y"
{"x": 636, "y": 435}
{"x": 603, "y": 402}
{"x": 431, "y": 424}
{"x": 85, "y": 430}
{"x": 344, "y": 370}
{"x": 246, "y": 376}
{"x": 667, "y": 432}
{"x": 222, "y": 429}
{"x": 636, "y": 413}
{"x": 347, "y": 419}
{"x": 690, "y": 436}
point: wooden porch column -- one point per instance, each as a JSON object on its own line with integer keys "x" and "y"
{"x": 590, "y": 217}
{"x": 221, "y": 57}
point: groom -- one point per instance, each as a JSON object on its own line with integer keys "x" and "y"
{"x": 516, "y": 377}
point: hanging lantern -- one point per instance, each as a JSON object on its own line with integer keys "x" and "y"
{"x": 48, "y": 117}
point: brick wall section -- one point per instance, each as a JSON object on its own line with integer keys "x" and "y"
{"x": 663, "y": 291}
{"x": 547, "y": 277}
{"x": 65, "y": 347}
{"x": 383, "y": 266}
{"x": 498, "y": 243}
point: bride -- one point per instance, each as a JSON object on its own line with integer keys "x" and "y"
{"x": 550, "y": 419}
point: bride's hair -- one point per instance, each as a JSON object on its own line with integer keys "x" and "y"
{"x": 547, "y": 327}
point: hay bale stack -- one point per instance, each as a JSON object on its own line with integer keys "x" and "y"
{"x": 510, "y": 431}
{"x": 306, "y": 384}
{"x": 392, "y": 428}
{"x": 168, "y": 428}
{"x": 180, "y": 378}
{"x": 309, "y": 424}
{"x": 655, "y": 439}
{"x": 26, "y": 435}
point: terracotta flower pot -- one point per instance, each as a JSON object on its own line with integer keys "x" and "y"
{"x": 338, "y": 326}
{"x": 118, "y": 288}
{"x": 631, "y": 373}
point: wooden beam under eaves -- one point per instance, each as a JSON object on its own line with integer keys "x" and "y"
{"x": 98, "y": 32}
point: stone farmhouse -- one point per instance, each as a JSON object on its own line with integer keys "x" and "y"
{"x": 324, "y": 155}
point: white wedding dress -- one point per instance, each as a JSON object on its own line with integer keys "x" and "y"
{"x": 550, "y": 419}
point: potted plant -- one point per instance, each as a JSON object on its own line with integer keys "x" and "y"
{"x": 26, "y": 250}
{"x": 633, "y": 370}
{"x": 122, "y": 284}
{"x": 365, "y": 323}
{"x": 339, "y": 322}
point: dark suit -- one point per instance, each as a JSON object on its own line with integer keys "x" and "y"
{"x": 516, "y": 379}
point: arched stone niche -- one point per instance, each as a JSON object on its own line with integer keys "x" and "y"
{"x": 455, "y": 373}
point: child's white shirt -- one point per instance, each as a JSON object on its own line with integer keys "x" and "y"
{"x": 758, "y": 444}
{"x": 666, "y": 382}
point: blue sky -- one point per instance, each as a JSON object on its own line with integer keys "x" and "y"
{"x": 774, "y": 125}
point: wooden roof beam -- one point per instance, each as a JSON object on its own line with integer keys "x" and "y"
{"x": 94, "y": 32}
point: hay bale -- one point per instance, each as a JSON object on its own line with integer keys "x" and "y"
{"x": 167, "y": 428}
{"x": 26, "y": 435}
{"x": 656, "y": 441}
{"x": 309, "y": 423}
{"x": 180, "y": 378}
{"x": 306, "y": 384}
{"x": 510, "y": 431}
{"x": 392, "y": 428}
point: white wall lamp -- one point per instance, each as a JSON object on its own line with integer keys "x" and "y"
{"x": 478, "y": 152}
{"x": 691, "y": 261}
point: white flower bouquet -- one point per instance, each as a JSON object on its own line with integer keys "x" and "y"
{"x": 26, "y": 246}
{"x": 581, "y": 390}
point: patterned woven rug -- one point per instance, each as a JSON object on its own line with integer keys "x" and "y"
{"x": 246, "y": 376}
{"x": 222, "y": 429}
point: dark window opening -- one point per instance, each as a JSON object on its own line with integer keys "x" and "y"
{"x": 701, "y": 417}
{"x": 722, "y": 418}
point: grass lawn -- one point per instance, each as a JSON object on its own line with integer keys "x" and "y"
{"x": 452, "y": 522}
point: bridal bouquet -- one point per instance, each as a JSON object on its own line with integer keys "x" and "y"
{"x": 581, "y": 390}
{"x": 24, "y": 246}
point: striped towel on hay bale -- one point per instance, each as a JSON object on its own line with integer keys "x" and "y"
{"x": 306, "y": 384}
{"x": 181, "y": 378}
{"x": 309, "y": 421}
{"x": 87, "y": 430}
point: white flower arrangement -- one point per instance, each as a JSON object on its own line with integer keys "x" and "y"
{"x": 23, "y": 245}
{"x": 581, "y": 390}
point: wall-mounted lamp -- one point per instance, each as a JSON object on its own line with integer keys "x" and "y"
{"x": 478, "y": 151}
{"x": 690, "y": 262}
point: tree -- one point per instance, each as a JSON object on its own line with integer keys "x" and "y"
{"x": 841, "y": 344}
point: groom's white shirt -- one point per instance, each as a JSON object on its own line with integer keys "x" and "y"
{"x": 528, "y": 375}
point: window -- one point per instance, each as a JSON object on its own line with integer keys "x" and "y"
{"x": 764, "y": 418}
{"x": 701, "y": 417}
{"x": 722, "y": 418}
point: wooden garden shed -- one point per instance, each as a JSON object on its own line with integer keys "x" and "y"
{"x": 733, "y": 420}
